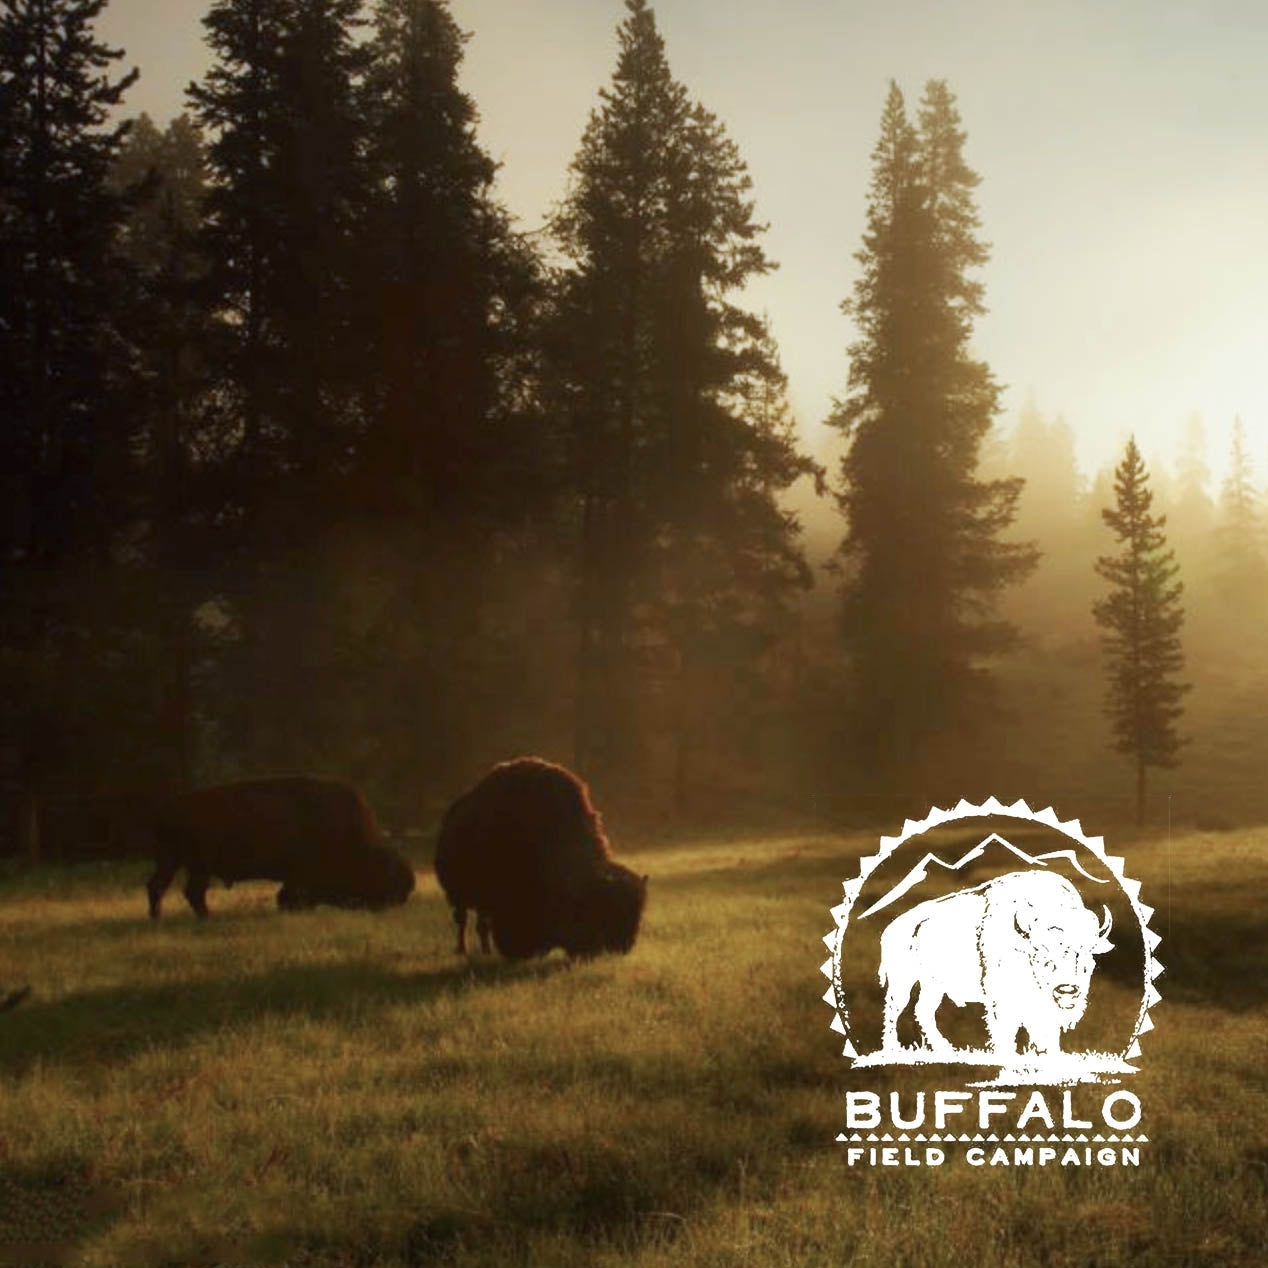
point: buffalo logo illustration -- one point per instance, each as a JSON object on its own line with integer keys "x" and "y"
{"x": 1023, "y": 945}
{"x": 999, "y": 937}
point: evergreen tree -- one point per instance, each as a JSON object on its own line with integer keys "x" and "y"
{"x": 1241, "y": 568}
{"x": 162, "y": 173}
{"x": 284, "y": 202}
{"x": 1192, "y": 512}
{"x": 237, "y": 106}
{"x": 1043, "y": 455}
{"x": 681, "y": 440}
{"x": 283, "y": 215}
{"x": 57, "y": 221}
{"x": 448, "y": 278}
{"x": 1141, "y": 618}
{"x": 923, "y": 553}
{"x": 451, "y": 476}
{"x": 1052, "y": 605}
{"x": 1161, "y": 482}
{"x": 63, "y": 438}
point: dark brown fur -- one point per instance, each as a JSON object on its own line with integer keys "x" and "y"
{"x": 525, "y": 850}
{"x": 315, "y": 836}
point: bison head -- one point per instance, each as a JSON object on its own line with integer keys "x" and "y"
{"x": 608, "y": 915}
{"x": 376, "y": 879}
{"x": 399, "y": 879}
{"x": 387, "y": 879}
{"x": 1062, "y": 947}
{"x": 602, "y": 916}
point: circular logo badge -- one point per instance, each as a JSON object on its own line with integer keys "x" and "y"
{"x": 996, "y": 937}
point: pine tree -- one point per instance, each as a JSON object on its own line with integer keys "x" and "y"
{"x": 283, "y": 205}
{"x": 63, "y": 438}
{"x": 608, "y": 228}
{"x": 1043, "y": 454}
{"x": 57, "y": 222}
{"x": 283, "y": 215}
{"x": 323, "y": 184}
{"x": 162, "y": 173}
{"x": 681, "y": 440}
{"x": 443, "y": 264}
{"x": 1052, "y": 606}
{"x": 923, "y": 557}
{"x": 450, "y": 475}
{"x": 236, "y": 107}
{"x": 1192, "y": 512}
{"x": 1241, "y": 568}
{"x": 1141, "y": 618}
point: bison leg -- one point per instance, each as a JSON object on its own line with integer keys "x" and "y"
{"x": 157, "y": 885}
{"x": 460, "y": 919}
{"x": 1002, "y": 1025}
{"x": 896, "y": 999}
{"x": 292, "y": 899}
{"x": 196, "y": 883}
{"x": 482, "y": 928}
{"x": 926, "y": 1010}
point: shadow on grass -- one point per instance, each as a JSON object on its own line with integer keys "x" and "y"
{"x": 632, "y": 1187}
{"x": 626, "y": 1191}
{"x": 777, "y": 877}
{"x": 47, "y": 1211}
{"x": 1214, "y": 949}
{"x": 110, "y": 1026}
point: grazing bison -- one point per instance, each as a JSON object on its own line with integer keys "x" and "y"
{"x": 316, "y": 836}
{"x": 524, "y": 849}
{"x": 1023, "y": 945}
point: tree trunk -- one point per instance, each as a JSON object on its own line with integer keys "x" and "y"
{"x": 175, "y": 713}
{"x": 29, "y": 824}
{"x": 682, "y": 756}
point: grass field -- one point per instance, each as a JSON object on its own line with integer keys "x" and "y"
{"x": 334, "y": 1088}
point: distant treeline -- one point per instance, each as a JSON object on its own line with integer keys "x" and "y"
{"x": 313, "y": 462}
{"x": 1055, "y": 685}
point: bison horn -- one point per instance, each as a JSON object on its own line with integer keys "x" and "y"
{"x": 1107, "y": 924}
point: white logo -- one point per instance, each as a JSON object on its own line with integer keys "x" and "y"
{"x": 1001, "y": 938}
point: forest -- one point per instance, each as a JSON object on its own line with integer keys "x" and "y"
{"x": 322, "y": 473}
{"x": 315, "y": 462}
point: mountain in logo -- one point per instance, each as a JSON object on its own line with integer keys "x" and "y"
{"x": 994, "y": 846}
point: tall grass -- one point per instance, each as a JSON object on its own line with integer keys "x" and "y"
{"x": 337, "y": 1088}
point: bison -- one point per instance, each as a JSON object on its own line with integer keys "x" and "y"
{"x": 316, "y": 836}
{"x": 525, "y": 850}
{"x": 1023, "y": 945}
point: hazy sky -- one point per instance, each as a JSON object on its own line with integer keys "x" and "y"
{"x": 1122, "y": 144}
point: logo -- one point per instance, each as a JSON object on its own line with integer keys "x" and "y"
{"x": 1004, "y": 947}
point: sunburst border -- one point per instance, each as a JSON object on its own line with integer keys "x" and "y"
{"x": 834, "y": 996}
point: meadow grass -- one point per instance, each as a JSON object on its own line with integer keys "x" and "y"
{"x": 338, "y": 1088}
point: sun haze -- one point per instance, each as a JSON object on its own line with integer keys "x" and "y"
{"x": 1120, "y": 148}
